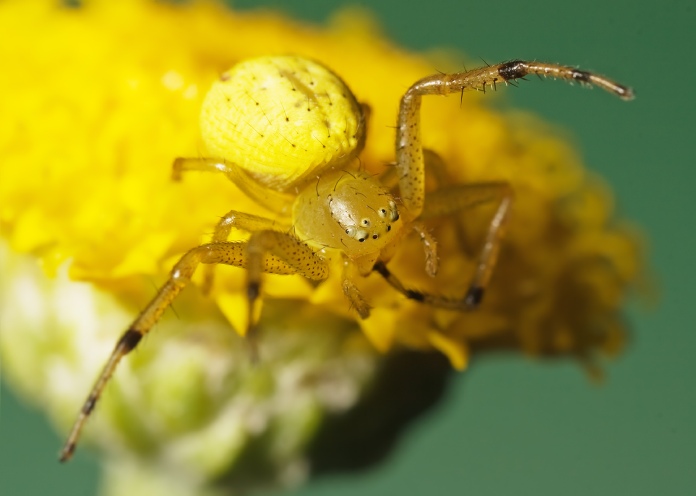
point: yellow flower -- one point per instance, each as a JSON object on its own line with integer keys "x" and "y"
{"x": 98, "y": 101}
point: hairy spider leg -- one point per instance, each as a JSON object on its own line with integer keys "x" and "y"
{"x": 355, "y": 297}
{"x": 350, "y": 272}
{"x": 409, "y": 149}
{"x": 434, "y": 165}
{"x": 244, "y": 222}
{"x": 286, "y": 247}
{"x": 448, "y": 201}
{"x": 430, "y": 246}
{"x": 280, "y": 254}
{"x": 233, "y": 218}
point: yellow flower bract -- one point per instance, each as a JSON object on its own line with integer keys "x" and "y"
{"x": 99, "y": 100}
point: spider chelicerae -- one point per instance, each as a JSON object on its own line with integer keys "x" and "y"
{"x": 288, "y": 131}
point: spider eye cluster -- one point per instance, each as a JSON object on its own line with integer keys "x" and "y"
{"x": 356, "y": 233}
{"x": 391, "y": 213}
{"x": 362, "y": 231}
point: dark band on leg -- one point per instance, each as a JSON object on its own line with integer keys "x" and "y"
{"x": 129, "y": 340}
{"x": 381, "y": 268}
{"x": 414, "y": 295}
{"x": 582, "y": 76}
{"x": 89, "y": 404}
{"x": 253, "y": 291}
{"x": 514, "y": 69}
{"x": 474, "y": 296}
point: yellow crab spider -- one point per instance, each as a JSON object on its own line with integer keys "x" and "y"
{"x": 287, "y": 131}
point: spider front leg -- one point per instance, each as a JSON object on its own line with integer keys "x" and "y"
{"x": 451, "y": 200}
{"x": 244, "y": 222}
{"x": 432, "y": 262}
{"x": 274, "y": 201}
{"x": 409, "y": 149}
{"x": 213, "y": 253}
{"x": 287, "y": 248}
{"x": 352, "y": 271}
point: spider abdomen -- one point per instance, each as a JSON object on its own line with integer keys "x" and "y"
{"x": 282, "y": 119}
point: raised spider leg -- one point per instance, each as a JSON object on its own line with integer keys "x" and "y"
{"x": 409, "y": 149}
{"x": 435, "y": 166}
{"x": 213, "y": 253}
{"x": 274, "y": 201}
{"x": 447, "y": 201}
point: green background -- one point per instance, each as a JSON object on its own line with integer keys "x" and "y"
{"x": 513, "y": 425}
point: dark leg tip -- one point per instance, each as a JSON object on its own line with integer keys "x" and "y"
{"x": 176, "y": 169}
{"x": 473, "y": 297}
{"x": 67, "y": 453}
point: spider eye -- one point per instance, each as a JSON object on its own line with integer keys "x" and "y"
{"x": 388, "y": 227}
{"x": 375, "y": 236}
{"x": 393, "y": 212}
{"x": 382, "y": 212}
{"x": 350, "y": 231}
{"x": 365, "y": 222}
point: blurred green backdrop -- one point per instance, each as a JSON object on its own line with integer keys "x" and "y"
{"x": 512, "y": 425}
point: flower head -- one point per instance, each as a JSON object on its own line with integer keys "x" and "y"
{"x": 99, "y": 101}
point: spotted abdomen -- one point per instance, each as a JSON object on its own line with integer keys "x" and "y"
{"x": 282, "y": 119}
